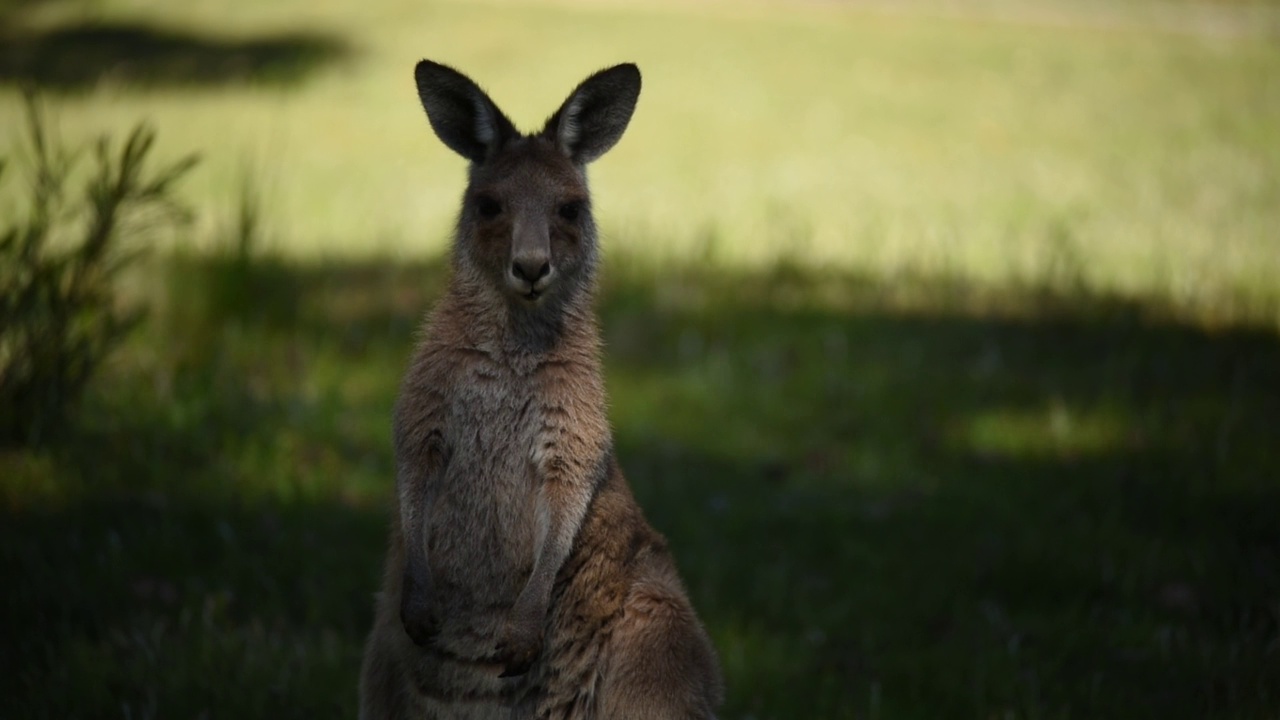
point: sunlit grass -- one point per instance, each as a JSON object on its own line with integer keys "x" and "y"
{"x": 994, "y": 146}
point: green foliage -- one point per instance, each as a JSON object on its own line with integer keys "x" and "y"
{"x": 59, "y": 265}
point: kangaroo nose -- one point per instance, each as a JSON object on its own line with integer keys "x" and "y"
{"x": 531, "y": 270}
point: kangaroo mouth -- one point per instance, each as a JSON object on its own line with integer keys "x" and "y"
{"x": 527, "y": 291}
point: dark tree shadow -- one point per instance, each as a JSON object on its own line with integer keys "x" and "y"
{"x": 13, "y": 10}
{"x": 79, "y": 56}
{"x": 885, "y": 501}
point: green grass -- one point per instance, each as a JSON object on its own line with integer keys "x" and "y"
{"x": 942, "y": 346}
{"x": 1138, "y": 141}
{"x": 1019, "y": 505}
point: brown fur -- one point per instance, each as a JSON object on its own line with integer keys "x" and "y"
{"x": 522, "y": 580}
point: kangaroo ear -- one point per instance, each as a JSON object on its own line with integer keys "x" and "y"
{"x": 462, "y": 115}
{"x": 596, "y": 113}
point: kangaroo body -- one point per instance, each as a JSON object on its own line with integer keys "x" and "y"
{"x": 522, "y": 580}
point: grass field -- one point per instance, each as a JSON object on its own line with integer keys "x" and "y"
{"x": 942, "y": 345}
{"x": 1138, "y": 146}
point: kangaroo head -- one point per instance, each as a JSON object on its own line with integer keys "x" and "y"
{"x": 526, "y": 226}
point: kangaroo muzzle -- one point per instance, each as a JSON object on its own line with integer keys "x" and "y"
{"x": 531, "y": 271}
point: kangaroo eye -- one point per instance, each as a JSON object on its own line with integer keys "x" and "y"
{"x": 488, "y": 207}
{"x": 569, "y": 211}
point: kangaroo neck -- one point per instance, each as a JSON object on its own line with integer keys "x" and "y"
{"x": 510, "y": 327}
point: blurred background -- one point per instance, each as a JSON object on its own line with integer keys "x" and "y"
{"x": 941, "y": 340}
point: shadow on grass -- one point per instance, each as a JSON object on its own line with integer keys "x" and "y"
{"x": 80, "y": 56}
{"x": 888, "y": 500}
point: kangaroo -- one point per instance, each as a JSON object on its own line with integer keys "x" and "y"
{"x": 522, "y": 579}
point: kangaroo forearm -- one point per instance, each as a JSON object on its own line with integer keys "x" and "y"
{"x": 419, "y": 466}
{"x": 567, "y": 471}
{"x": 565, "y": 511}
{"x": 573, "y": 437}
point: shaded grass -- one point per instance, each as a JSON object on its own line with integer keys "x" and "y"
{"x": 79, "y": 56}
{"x": 924, "y": 499}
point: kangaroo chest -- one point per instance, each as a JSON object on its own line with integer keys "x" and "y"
{"x": 483, "y": 526}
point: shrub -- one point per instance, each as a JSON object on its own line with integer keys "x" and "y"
{"x": 59, "y": 266}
